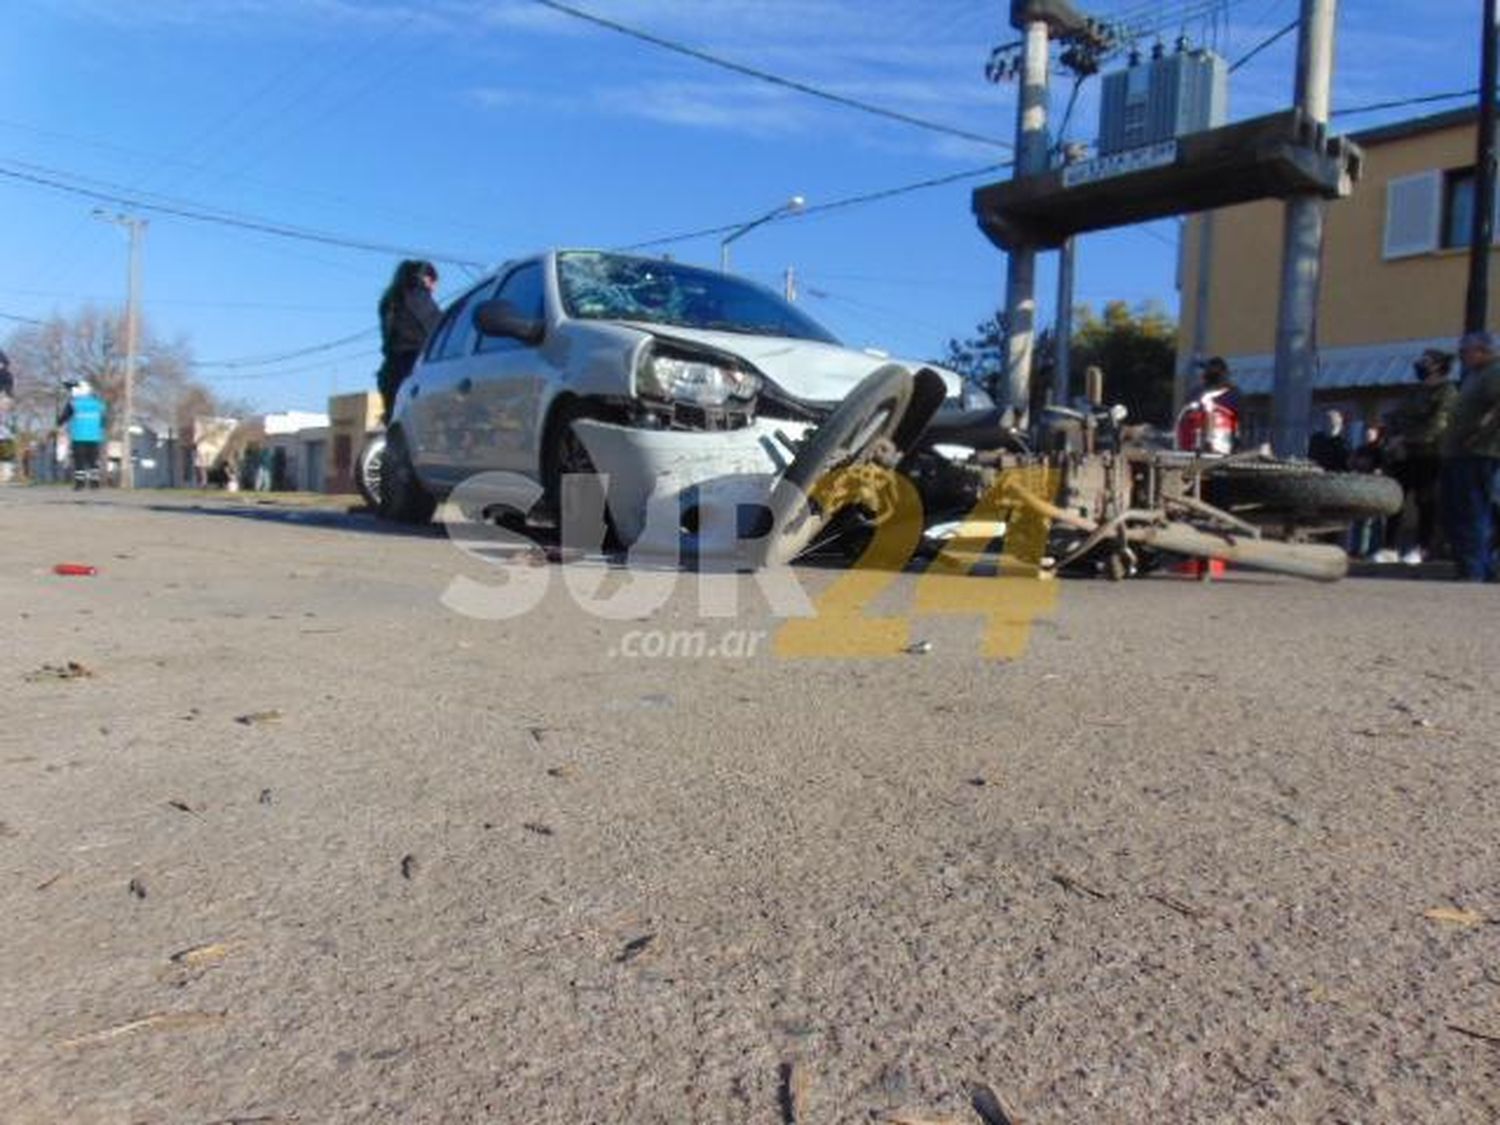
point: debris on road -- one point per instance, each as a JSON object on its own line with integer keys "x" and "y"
{"x": 1175, "y": 904}
{"x": 900, "y": 1117}
{"x": 265, "y": 797}
{"x": 918, "y": 648}
{"x": 200, "y": 956}
{"x": 793, "y": 1093}
{"x": 1068, "y": 883}
{"x": 987, "y": 1104}
{"x": 256, "y": 718}
{"x": 136, "y": 887}
{"x": 75, "y": 570}
{"x": 1483, "y": 1036}
{"x": 560, "y": 771}
{"x": 1454, "y": 916}
{"x": 156, "y": 1021}
{"x": 183, "y": 806}
{"x": 634, "y": 948}
{"x": 72, "y": 670}
{"x": 408, "y": 866}
{"x": 538, "y": 827}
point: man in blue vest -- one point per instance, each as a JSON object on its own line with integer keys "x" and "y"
{"x": 84, "y": 416}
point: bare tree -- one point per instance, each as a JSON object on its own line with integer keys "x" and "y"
{"x": 90, "y": 345}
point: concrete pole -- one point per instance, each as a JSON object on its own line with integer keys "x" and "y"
{"x": 132, "y": 330}
{"x": 1482, "y": 235}
{"x": 1197, "y": 347}
{"x": 1302, "y": 249}
{"x": 1020, "y": 271}
{"x": 1062, "y": 370}
{"x": 789, "y": 284}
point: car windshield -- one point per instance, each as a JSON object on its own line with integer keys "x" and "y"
{"x": 599, "y": 286}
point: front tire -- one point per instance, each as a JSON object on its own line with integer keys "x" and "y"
{"x": 1300, "y": 493}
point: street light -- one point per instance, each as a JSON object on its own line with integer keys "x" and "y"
{"x": 134, "y": 226}
{"x": 793, "y": 205}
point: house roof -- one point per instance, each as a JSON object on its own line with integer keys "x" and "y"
{"x": 1415, "y": 126}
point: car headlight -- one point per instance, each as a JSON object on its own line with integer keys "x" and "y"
{"x": 701, "y": 381}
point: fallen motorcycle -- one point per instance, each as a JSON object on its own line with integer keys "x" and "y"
{"x": 1114, "y": 502}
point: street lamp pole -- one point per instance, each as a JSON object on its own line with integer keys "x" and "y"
{"x": 135, "y": 226}
{"x": 790, "y": 207}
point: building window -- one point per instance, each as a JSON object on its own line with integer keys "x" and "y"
{"x": 1458, "y": 206}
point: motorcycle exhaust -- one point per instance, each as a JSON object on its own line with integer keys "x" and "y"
{"x": 1322, "y": 562}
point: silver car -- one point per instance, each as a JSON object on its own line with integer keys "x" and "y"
{"x": 688, "y": 394}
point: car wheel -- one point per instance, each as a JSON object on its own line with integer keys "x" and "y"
{"x": 566, "y": 465}
{"x": 402, "y": 497}
{"x": 858, "y": 431}
{"x": 367, "y": 472}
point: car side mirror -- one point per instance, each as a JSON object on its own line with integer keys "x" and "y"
{"x": 498, "y": 317}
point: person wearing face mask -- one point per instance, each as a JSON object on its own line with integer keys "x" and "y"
{"x": 1414, "y": 453}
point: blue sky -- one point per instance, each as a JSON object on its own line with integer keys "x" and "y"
{"x": 486, "y": 129}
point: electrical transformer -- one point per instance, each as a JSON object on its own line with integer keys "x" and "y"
{"x": 1161, "y": 98}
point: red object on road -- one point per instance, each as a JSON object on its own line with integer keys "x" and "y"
{"x": 75, "y": 570}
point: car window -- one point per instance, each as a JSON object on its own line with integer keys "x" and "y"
{"x": 459, "y": 333}
{"x": 600, "y": 286}
{"x": 523, "y": 287}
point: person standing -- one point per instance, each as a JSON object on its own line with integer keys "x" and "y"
{"x": 1414, "y": 452}
{"x": 1471, "y": 460}
{"x": 84, "y": 416}
{"x": 1329, "y": 447}
{"x": 408, "y": 313}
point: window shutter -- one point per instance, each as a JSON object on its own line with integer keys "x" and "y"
{"x": 1413, "y": 214}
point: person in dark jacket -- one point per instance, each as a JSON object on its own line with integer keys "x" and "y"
{"x": 1329, "y": 447}
{"x": 408, "y": 314}
{"x": 1471, "y": 460}
{"x": 1413, "y": 451}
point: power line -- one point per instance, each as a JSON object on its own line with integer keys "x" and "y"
{"x": 199, "y": 213}
{"x": 21, "y": 319}
{"x": 773, "y": 79}
{"x": 831, "y": 205}
{"x": 282, "y": 357}
{"x": 1268, "y": 41}
{"x": 1403, "y": 102}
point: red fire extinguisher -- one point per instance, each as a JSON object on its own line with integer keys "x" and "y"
{"x": 1206, "y": 425}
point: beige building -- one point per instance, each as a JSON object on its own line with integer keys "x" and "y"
{"x": 1395, "y": 273}
{"x": 351, "y": 418}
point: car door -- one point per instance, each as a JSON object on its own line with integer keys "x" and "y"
{"x": 440, "y": 411}
{"x": 513, "y": 379}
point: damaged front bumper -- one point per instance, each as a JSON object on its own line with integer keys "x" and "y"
{"x": 670, "y": 489}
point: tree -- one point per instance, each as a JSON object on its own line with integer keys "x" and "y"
{"x": 982, "y": 357}
{"x": 90, "y": 345}
{"x": 1137, "y": 351}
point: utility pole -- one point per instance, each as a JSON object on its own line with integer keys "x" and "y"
{"x": 135, "y": 227}
{"x": 1482, "y": 236}
{"x": 1202, "y": 272}
{"x": 1020, "y": 270}
{"x": 789, "y": 284}
{"x": 1062, "y": 366}
{"x": 1302, "y": 246}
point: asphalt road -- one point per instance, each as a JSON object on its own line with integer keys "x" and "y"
{"x": 291, "y": 840}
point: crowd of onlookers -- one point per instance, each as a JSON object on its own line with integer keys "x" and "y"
{"x": 1442, "y": 444}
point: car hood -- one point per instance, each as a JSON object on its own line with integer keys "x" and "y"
{"x": 810, "y": 370}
